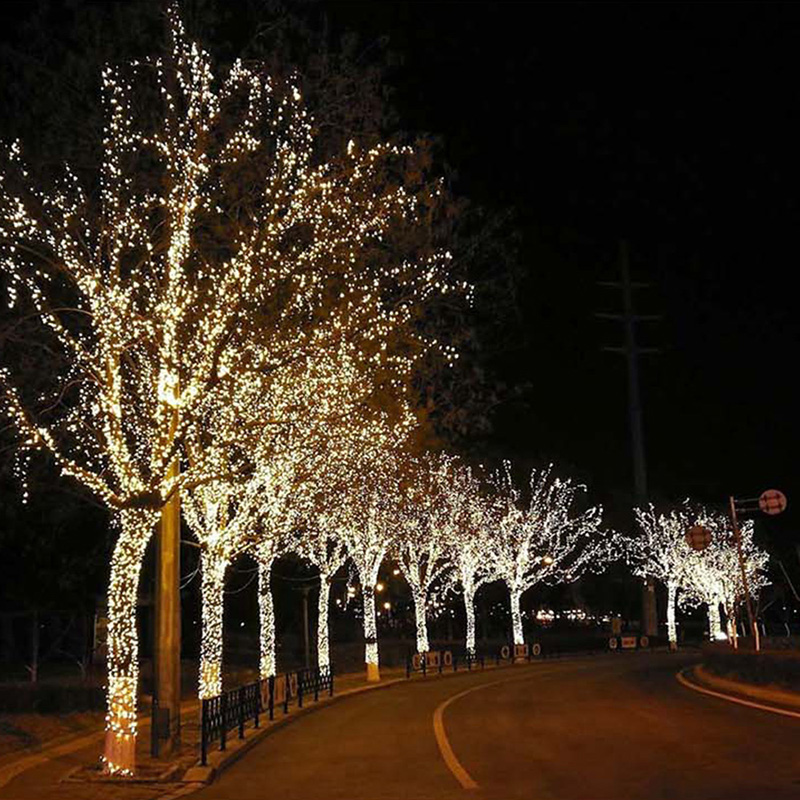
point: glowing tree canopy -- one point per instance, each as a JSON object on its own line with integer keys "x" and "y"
{"x": 425, "y": 538}
{"x": 546, "y": 540}
{"x": 662, "y": 553}
{"x": 714, "y": 577}
{"x": 218, "y": 247}
{"x": 365, "y": 522}
{"x": 467, "y": 513}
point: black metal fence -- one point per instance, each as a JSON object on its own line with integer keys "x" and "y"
{"x": 237, "y": 707}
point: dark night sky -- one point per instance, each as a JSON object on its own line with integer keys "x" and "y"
{"x": 673, "y": 125}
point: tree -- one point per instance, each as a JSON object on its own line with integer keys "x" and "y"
{"x": 661, "y": 552}
{"x": 714, "y": 576}
{"x": 365, "y": 521}
{"x": 428, "y": 533}
{"x": 547, "y": 540}
{"x": 467, "y": 515}
{"x": 214, "y": 219}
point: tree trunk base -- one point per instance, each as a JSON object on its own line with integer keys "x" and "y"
{"x": 373, "y": 673}
{"x": 120, "y": 753}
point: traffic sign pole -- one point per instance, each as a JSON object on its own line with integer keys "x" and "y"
{"x": 738, "y": 538}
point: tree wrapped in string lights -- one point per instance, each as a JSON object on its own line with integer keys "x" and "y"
{"x": 321, "y": 545}
{"x": 547, "y": 540}
{"x": 661, "y": 552}
{"x": 213, "y": 219}
{"x": 714, "y": 576}
{"x": 426, "y": 537}
{"x": 365, "y": 521}
{"x": 470, "y": 516}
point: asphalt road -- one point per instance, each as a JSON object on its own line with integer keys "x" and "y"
{"x": 615, "y": 726}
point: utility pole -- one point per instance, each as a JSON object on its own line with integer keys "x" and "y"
{"x": 306, "y": 638}
{"x": 166, "y": 734}
{"x": 737, "y": 538}
{"x": 631, "y": 350}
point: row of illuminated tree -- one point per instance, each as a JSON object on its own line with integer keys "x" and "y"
{"x": 231, "y": 314}
{"x": 714, "y": 576}
{"x": 446, "y": 527}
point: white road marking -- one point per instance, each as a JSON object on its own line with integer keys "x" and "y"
{"x": 449, "y": 757}
{"x": 731, "y": 699}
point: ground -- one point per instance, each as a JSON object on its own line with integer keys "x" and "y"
{"x": 616, "y": 726}
{"x": 604, "y": 726}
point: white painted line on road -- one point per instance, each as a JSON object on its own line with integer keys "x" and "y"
{"x": 453, "y": 764}
{"x": 731, "y": 699}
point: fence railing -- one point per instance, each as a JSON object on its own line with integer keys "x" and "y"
{"x": 237, "y": 707}
{"x": 441, "y": 660}
{"x": 438, "y": 661}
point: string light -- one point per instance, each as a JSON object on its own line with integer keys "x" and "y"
{"x": 661, "y": 552}
{"x": 713, "y": 576}
{"x": 547, "y": 526}
{"x": 181, "y": 301}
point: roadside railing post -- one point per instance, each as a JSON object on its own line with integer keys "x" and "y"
{"x": 271, "y": 689}
{"x": 288, "y": 684}
{"x": 331, "y": 673}
{"x": 299, "y": 690}
{"x": 257, "y": 704}
{"x": 240, "y": 698}
{"x": 204, "y": 732}
{"x": 316, "y": 685}
{"x": 224, "y": 717}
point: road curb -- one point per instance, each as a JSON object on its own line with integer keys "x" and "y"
{"x": 699, "y": 680}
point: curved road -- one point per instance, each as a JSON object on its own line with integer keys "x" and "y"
{"x": 614, "y": 726}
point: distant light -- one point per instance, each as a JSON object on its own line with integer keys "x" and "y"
{"x": 378, "y": 587}
{"x": 387, "y": 606}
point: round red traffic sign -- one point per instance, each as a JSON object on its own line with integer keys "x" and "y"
{"x": 772, "y": 501}
{"x": 698, "y": 537}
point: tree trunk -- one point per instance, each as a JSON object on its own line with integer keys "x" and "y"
{"x": 714, "y": 626}
{"x": 213, "y": 593}
{"x": 422, "y": 623}
{"x": 266, "y": 613}
{"x": 123, "y": 644}
{"x": 730, "y": 617}
{"x": 323, "y": 633}
{"x": 370, "y": 635}
{"x": 469, "y": 607}
{"x": 516, "y": 616}
{"x": 672, "y": 630}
